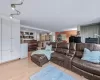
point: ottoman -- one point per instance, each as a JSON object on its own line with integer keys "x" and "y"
{"x": 39, "y": 59}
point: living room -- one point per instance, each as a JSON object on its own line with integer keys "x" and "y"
{"x": 49, "y": 40}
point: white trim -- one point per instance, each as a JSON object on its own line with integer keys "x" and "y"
{"x": 34, "y": 28}
{"x": 27, "y": 31}
{"x": 69, "y": 29}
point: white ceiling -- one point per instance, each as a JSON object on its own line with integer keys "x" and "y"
{"x": 55, "y": 15}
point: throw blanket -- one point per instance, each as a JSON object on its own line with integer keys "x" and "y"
{"x": 51, "y": 73}
{"x": 47, "y": 53}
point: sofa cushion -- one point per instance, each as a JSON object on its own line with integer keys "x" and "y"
{"x": 54, "y": 45}
{"x": 87, "y": 66}
{"x": 96, "y": 47}
{"x": 59, "y": 50}
{"x": 58, "y": 56}
{"x": 80, "y": 48}
{"x": 62, "y": 51}
{"x": 63, "y": 45}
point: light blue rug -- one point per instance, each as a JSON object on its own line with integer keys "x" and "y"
{"x": 51, "y": 73}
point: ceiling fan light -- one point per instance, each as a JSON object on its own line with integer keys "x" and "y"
{"x": 11, "y": 17}
{"x": 13, "y": 8}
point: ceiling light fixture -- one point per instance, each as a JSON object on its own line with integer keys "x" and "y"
{"x": 11, "y": 17}
{"x": 13, "y": 6}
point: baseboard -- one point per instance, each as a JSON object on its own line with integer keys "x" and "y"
{"x": 9, "y": 61}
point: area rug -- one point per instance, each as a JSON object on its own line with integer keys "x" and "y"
{"x": 51, "y": 73}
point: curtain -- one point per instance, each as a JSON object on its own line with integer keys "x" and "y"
{"x": 89, "y": 31}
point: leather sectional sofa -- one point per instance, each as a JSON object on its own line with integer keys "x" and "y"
{"x": 68, "y": 55}
{"x": 41, "y": 59}
{"x": 61, "y": 56}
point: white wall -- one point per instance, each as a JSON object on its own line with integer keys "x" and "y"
{"x": 78, "y": 28}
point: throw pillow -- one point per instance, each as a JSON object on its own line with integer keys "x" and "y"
{"x": 92, "y": 56}
{"x": 48, "y": 47}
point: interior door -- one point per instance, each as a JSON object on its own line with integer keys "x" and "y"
{"x": 0, "y": 40}
{"x": 6, "y": 39}
{"x": 15, "y": 39}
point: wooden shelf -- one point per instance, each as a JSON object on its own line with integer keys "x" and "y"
{"x": 26, "y": 35}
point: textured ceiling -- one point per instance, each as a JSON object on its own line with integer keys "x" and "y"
{"x": 55, "y": 15}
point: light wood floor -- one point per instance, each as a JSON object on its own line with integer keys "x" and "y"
{"x": 23, "y": 69}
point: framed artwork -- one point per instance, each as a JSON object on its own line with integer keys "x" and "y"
{"x": 61, "y": 37}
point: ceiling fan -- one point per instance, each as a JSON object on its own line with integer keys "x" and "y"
{"x": 13, "y": 6}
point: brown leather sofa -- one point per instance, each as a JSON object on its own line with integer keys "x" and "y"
{"x": 69, "y": 56}
{"x": 59, "y": 55}
{"x": 54, "y": 45}
{"x": 85, "y": 68}
{"x": 64, "y": 54}
{"x": 41, "y": 59}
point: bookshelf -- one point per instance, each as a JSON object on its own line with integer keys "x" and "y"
{"x": 26, "y": 35}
